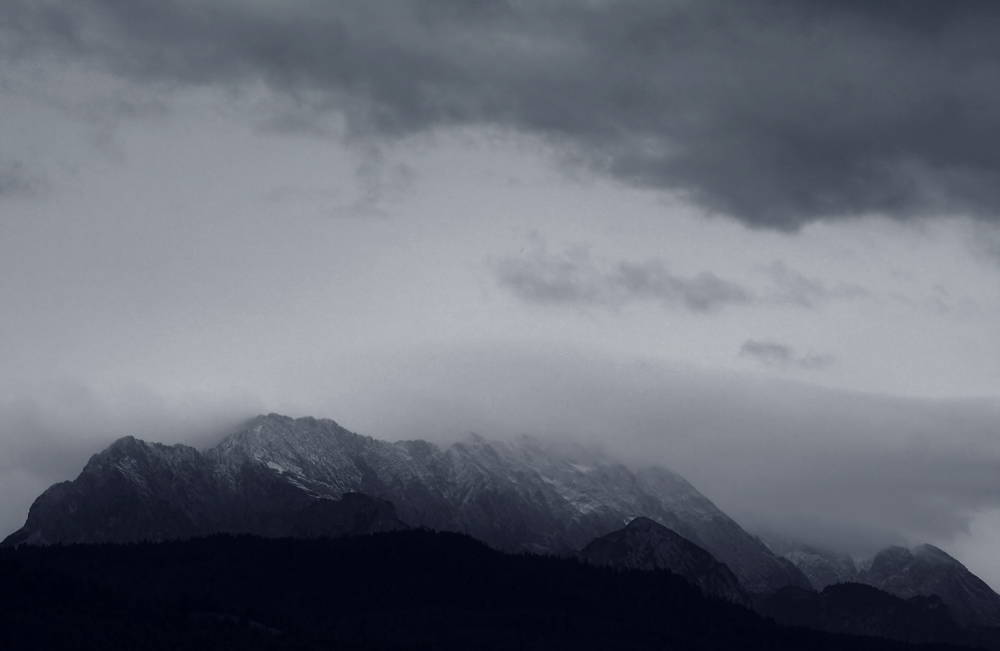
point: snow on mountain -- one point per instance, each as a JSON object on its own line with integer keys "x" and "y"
{"x": 517, "y": 496}
{"x": 924, "y": 571}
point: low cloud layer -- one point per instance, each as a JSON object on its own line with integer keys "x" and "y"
{"x": 774, "y": 354}
{"x": 849, "y": 470}
{"x": 574, "y": 279}
{"x": 777, "y": 113}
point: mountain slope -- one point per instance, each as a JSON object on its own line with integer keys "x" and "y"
{"x": 925, "y": 571}
{"x": 929, "y": 571}
{"x": 147, "y": 491}
{"x": 515, "y": 496}
{"x": 646, "y": 545}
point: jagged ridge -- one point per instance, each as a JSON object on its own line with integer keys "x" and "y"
{"x": 515, "y": 496}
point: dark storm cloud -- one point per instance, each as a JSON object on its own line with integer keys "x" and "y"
{"x": 772, "y": 111}
{"x": 781, "y": 355}
{"x": 573, "y": 278}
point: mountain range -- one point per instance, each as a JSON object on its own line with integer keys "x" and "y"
{"x": 515, "y": 496}
{"x": 308, "y": 478}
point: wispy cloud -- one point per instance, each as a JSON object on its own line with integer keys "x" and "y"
{"x": 574, "y": 278}
{"x": 791, "y": 287}
{"x": 16, "y": 181}
{"x": 774, "y": 354}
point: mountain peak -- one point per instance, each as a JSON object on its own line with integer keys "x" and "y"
{"x": 646, "y": 545}
{"x": 932, "y": 554}
{"x": 927, "y": 570}
{"x": 517, "y": 496}
{"x": 642, "y": 523}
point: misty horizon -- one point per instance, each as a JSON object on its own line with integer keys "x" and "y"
{"x": 756, "y": 245}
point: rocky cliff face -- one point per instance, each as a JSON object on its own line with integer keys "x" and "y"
{"x": 267, "y": 479}
{"x": 646, "y": 545}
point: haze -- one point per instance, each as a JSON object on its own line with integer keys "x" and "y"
{"x": 756, "y": 245}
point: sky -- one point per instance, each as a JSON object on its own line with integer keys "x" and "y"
{"x": 758, "y": 244}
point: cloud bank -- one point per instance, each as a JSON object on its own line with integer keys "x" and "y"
{"x": 849, "y": 470}
{"x": 775, "y": 112}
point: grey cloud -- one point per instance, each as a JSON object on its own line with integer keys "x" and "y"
{"x": 775, "y": 112}
{"x": 379, "y": 181}
{"x": 939, "y": 301}
{"x": 16, "y": 181}
{"x": 794, "y": 288}
{"x": 573, "y": 278}
{"x": 781, "y": 355}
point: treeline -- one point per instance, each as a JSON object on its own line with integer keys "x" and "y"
{"x": 399, "y": 590}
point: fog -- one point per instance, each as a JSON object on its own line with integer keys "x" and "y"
{"x": 849, "y": 471}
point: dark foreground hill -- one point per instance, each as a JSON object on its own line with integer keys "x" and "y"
{"x": 398, "y": 590}
{"x": 864, "y": 610}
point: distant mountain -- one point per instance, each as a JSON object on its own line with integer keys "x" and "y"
{"x": 925, "y": 571}
{"x": 266, "y": 478}
{"x": 929, "y": 571}
{"x": 646, "y": 545}
{"x": 822, "y": 567}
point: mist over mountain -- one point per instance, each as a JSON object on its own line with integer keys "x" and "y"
{"x": 516, "y": 496}
{"x": 306, "y": 478}
{"x": 923, "y": 571}
{"x": 309, "y": 478}
{"x": 926, "y": 570}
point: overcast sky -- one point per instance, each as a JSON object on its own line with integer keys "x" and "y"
{"x": 756, "y": 242}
